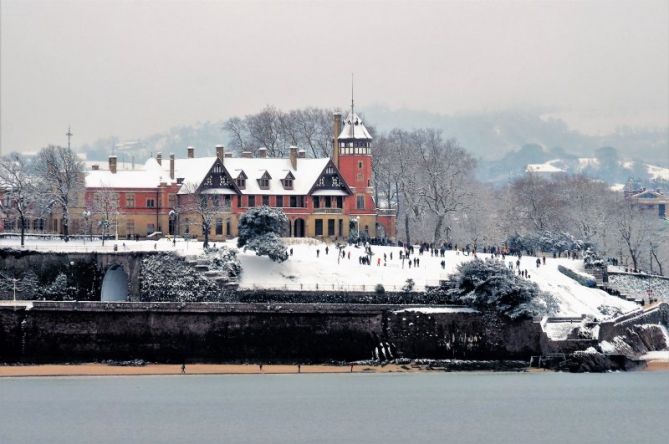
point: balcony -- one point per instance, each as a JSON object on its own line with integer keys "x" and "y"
{"x": 328, "y": 210}
{"x": 386, "y": 211}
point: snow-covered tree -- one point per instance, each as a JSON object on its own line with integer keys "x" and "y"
{"x": 20, "y": 189}
{"x": 490, "y": 285}
{"x": 62, "y": 181}
{"x": 260, "y": 229}
{"x": 105, "y": 209}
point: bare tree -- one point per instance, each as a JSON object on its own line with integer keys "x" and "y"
{"x": 205, "y": 207}
{"x": 20, "y": 188}
{"x": 105, "y": 208}
{"x": 633, "y": 228}
{"x": 62, "y": 180}
{"x": 446, "y": 169}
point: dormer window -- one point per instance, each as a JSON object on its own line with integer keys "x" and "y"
{"x": 287, "y": 181}
{"x": 241, "y": 180}
{"x": 263, "y": 182}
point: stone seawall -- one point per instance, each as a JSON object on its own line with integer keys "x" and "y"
{"x": 222, "y": 332}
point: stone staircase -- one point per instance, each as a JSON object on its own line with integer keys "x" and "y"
{"x": 203, "y": 266}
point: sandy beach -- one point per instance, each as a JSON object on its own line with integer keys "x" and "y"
{"x": 191, "y": 369}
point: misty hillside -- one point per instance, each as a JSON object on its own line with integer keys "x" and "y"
{"x": 504, "y": 142}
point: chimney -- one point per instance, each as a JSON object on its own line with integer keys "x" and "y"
{"x": 112, "y": 164}
{"x": 262, "y": 152}
{"x": 301, "y": 154}
{"x": 191, "y": 152}
{"x": 336, "y": 130}
{"x": 172, "y": 166}
{"x": 293, "y": 157}
{"x": 246, "y": 154}
{"x": 227, "y": 155}
{"x": 96, "y": 167}
{"x": 220, "y": 152}
{"x": 159, "y": 158}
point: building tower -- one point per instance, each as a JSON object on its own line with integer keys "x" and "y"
{"x": 352, "y": 154}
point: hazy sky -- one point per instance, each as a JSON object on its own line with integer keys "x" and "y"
{"x": 131, "y": 68}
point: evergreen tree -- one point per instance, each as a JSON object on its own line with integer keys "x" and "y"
{"x": 260, "y": 230}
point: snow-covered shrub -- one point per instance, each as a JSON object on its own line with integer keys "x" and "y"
{"x": 583, "y": 280}
{"x": 545, "y": 240}
{"x": 260, "y": 230}
{"x": 167, "y": 278}
{"x": 408, "y": 285}
{"x": 491, "y": 285}
{"x": 224, "y": 260}
{"x": 591, "y": 259}
{"x": 379, "y": 289}
{"x": 59, "y": 290}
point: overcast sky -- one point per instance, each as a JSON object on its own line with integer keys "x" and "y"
{"x": 132, "y": 68}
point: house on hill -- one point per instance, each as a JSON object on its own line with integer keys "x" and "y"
{"x": 322, "y": 197}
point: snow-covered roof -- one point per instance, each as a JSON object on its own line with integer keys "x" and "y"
{"x": 656, "y": 172}
{"x": 150, "y": 175}
{"x": 647, "y": 194}
{"x": 546, "y": 167}
{"x": 193, "y": 171}
{"x": 354, "y": 128}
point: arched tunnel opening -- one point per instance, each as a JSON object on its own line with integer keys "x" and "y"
{"x": 114, "y": 285}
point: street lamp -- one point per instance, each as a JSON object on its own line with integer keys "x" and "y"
{"x": 174, "y": 217}
{"x": 86, "y": 214}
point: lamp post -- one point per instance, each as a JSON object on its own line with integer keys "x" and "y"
{"x": 174, "y": 216}
{"x": 116, "y": 227}
{"x": 86, "y": 214}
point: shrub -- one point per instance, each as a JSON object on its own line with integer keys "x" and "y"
{"x": 379, "y": 289}
{"x": 491, "y": 285}
{"x": 408, "y": 285}
{"x": 583, "y": 280}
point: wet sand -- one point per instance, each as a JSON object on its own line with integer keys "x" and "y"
{"x": 191, "y": 369}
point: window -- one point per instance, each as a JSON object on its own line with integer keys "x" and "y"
{"x": 239, "y": 201}
{"x": 227, "y": 201}
{"x": 265, "y": 200}
{"x": 263, "y": 183}
{"x": 130, "y": 201}
{"x": 293, "y": 201}
{"x": 130, "y": 227}
{"x": 297, "y": 201}
{"x": 150, "y": 203}
{"x": 216, "y": 201}
{"x": 219, "y": 227}
{"x": 317, "y": 202}
{"x": 252, "y": 201}
{"x": 319, "y": 227}
{"x": 172, "y": 199}
{"x": 241, "y": 183}
{"x": 360, "y": 202}
{"x": 360, "y": 164}
{"x": 339, "y": 202}
{"x": 287, "y": 184}
{"x": 279, "y": 201}
{"x": 331, "y": 227}
{"x": 341, "y": 227}
{"x": 227, "y": 227}
{"x": 328, "y": 202}
{"x": 187, "y": 224}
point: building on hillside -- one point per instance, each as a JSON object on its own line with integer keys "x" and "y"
{"x": 323, "y": 198}
{"x": 648, "y": 200}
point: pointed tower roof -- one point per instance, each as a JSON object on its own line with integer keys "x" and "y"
{"x": 354, "y": 128}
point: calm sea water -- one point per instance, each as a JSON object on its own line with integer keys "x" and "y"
{"x": 358, "y": 408}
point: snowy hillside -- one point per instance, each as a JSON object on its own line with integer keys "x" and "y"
{"x": 307, "y": 270}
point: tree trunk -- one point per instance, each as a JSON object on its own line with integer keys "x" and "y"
{"x": 437, "y": 228}
{"x": 23, "y": 230}
{"x": 66, "y": 226}
{"x": 406, "y": 229}
{"x": 205, "y": 233}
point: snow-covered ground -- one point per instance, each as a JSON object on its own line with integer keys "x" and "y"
{"x": 308, "y": 271}
{"x": 86, "y": 246}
